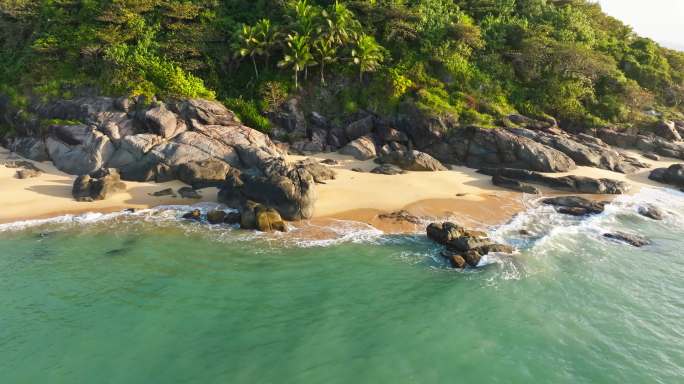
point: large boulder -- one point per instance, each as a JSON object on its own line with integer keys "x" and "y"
{"x": 286, "y": 187}
{"x": 203, "y": 174}
{"x": 464, "y": 246}
{"x": 259, "y": 217}
{"x": 515, "y": 185}
{"x": 412, "y": 161}
{"x": 164, "y": 122}
{"x": 78, "y": 149}
{"x": 673, "y": 175}
{"x": 362, "y": 148}
{"x": 97, "y": 186}
{"x": 31, "y": 148}
{"x": 575, "y": 205}
{"x": 668, "y": 131}
{"x": 207, "y": 112}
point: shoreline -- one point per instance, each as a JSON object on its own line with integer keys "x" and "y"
{"x": 459, "y": 194}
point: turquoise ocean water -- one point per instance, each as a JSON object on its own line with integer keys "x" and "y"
{"x": 145, "y": 298}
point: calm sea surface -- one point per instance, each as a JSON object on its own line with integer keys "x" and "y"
{"x": 145, "y": 298}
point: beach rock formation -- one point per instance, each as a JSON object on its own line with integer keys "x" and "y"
{"x": 576, "y": 184}
{"x": 515, "y": 185}
{"x": 362, "y": 148}
{"x": 259, "y": 217}
{"x": 387, "y": 169}
{"x": 650, "y": 145}
{"x": 287, "y": 187}
{"x": 463, "y": 246}
{"x": 412, "y": 161}
{"x": 97, "y": 186}
{"x": 575, "y": 205}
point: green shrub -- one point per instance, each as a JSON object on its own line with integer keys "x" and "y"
{"x": 248, "y": 112}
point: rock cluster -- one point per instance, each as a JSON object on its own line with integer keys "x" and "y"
{"x": 98, "y": 185}
{"x": 463, "y": 247}
{"x": 575, "y": 184}
{"x": 650, "y": 145}
{"x": 575, "y": 205}
{"x": 634, "y": 240}
{"x": 26, "y": 169}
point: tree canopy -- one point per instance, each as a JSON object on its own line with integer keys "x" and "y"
{"x": 474, "y": 60}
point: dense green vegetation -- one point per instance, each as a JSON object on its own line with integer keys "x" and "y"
{"x": 470, "y": 61}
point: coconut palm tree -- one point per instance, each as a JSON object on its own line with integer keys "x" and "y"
{"x": 266, "y": 37}
{"x": 248, "y": 44}
{"x": 325, "y": 52}
{"x": 298, "y": 55}
{"x": 367, "y": 54}
{"x": 339, "y": 23}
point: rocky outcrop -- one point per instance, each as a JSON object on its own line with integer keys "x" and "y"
{"x": 412, "y": 161}
{"x": 648, "y": 144}
{"x": 480, "y": 147}
{"x": 514, "y": 185}
{"x": 576, "y": 184}
{"x": 29, "y": 147}
{"x": 362, "y": 148}
{"x": 667, "y": 130}
{"x": 78, "y": 149}
{"x": 287, "y": 187}
{"x": 259, "y": 217}
{"x": 575, "y": 205}
{"x": 97, "y": 186}
{"x": 673, "y": 175}
{"x": 203, "y": 174}
{"x": 463, "y": 246}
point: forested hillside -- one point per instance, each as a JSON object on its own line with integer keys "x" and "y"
{"x": 469, "y": 61}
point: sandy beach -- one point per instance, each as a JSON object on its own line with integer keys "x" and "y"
{"x": 360, "y": 196}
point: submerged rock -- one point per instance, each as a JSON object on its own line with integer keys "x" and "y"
{"x": 651, "y": 212}
{"x": 629, "y": 238}
{"x": 463, "y": 246}
{"x": 194, "y": 215}
{"x": 216, "y": 217}
{"x": 575, "y": 205}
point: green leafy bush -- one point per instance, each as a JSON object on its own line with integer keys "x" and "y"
{"x": 249, "y": 114}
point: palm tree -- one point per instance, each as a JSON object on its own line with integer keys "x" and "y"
{"x": 326, "y": 53}
{"x": 303, "y": 17}
{"x": 368, "y": 55}
{"x": 298, "y": 55}
{"x": 339, "y": 23}
{"x": 267, "y": 37}
{"x": 248, "y": 44}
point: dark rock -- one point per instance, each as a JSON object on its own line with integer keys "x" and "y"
{"x": 412, "y": 161}
{"x": 466, "y": 243}
{"x": 362, "y": 148}
{"x": 668, "y": 131}
{"x": 203, "y": 174}
{"x": 164, "y": 192}
{"x": 651, "y": 212}
{"x": 472, "y": 257}
{"x": 330, "y": 162}
{"x": 388, "y": 169}
{"x": 514, "y": 185}
{"x": 195, "y": 215}
{"x": 629, "y": 238}
{"x": 286, "y": 187}
{"x": 651, "y": 156}
{"x": 232, "y": 218}
{"x": 359, "y": 128}
{"x": 189, "y": 193}
{"x": 455, "y": 259}
{"x": 359, "y": 170}
{"x": 443, "y": 233}
{"x": 575, "y": 205}
{"x": 97, "y": 186}
{"x": 517, "y": 121}
{"x": 579, "y": 184}
{"x": 496, "y": 248}
{"x": 320, "y": 173}
{"x": 674, "y": 175}
{"x": 216, "y": 217}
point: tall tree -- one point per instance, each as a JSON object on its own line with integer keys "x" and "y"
{"x": 298, "y": 55}
{"x": 367, "y": 54}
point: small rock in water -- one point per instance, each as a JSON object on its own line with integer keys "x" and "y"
{"x": 473, "y": 258}
{"x": 629, "y": 238}
{"x": 575, "y": 205}
{"x": 189, "y": 193}
{"x": 651, "y": 212}
{"x": 216, "y": 217}
{"x": 463, "y": 246}
{"x": 164, "y": 192}
{"x": 232, "y": 218}
{"x": 195, "y": 215}
{"x": 455, "y": 259}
